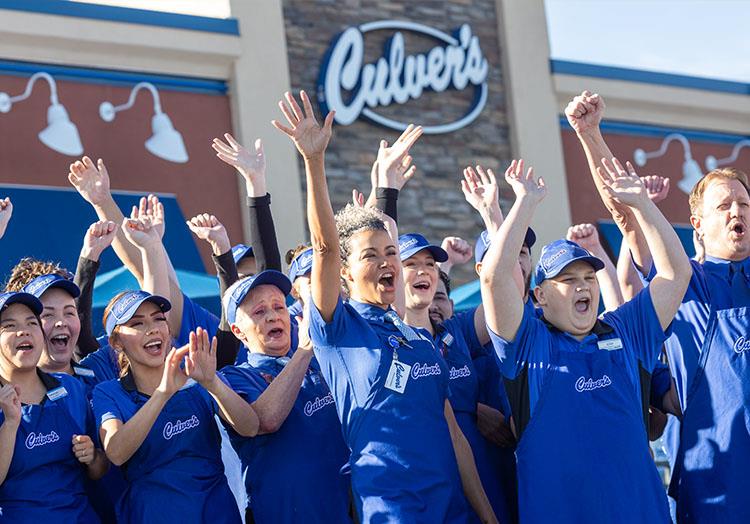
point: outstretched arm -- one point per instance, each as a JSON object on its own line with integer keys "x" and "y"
{"x": 141, "y": 233}
{"x": 311, "y": 141}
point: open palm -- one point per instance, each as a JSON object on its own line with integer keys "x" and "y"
{"x": 91, "y": 181}
{"x": 625, "y": 186}
{"x": 310, "y": 138}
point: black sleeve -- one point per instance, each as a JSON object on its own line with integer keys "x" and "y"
{"x": 387, "y": 201}
{"x": 84, "y": 279}
{"x": 227, "y": 345}
{"x": 263, "y": 233}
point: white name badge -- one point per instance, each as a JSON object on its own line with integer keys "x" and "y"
{"x": 84, "y": 372}
{"x": 57, "y": 393}
{"x": 610, "y": 345}
{"x": 397, "y": 377}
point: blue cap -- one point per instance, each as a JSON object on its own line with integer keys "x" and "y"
{"x": 126, "y": 306}
{"x": 238, "y": 291}
{"x": 27, "y": 299}
{"x": 483, "y": 243}
{"x": 241, "y": 251}
{"x": 412, "y": 243}
{"x": 301, "y": 265}
{"x": 39, "y": 285}
{"x": 557, "y": 255}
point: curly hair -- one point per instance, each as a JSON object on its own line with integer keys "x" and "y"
{"x": 292, "y": 253}
{"x": 352, "y": 220}
{"x": 29, "y": 268}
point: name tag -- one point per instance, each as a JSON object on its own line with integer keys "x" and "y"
{"x": 398, "y": 376}
{"x": 610, "y": 345}
{"x": 57, "y": 393}
{"x": 84, "y": 372}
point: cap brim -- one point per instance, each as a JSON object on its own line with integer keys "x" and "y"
{"x": 596, "y": 263}
{"x": 530, "y": 239}
{"x": 161, "y": 302}
{"x": 438, "y": 253}
{"x": 27, "y": 299}
{"x": 242, "y": 253}
{"x": 66, "y": 285}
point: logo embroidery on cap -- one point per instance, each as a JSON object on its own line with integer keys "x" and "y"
{"x": 39, "y": 284}
{"x": 123, "y": 306}
{"x": 425, "y": 370}
{"x": 34, "y": 440}
{"x": 460, "y": 372}
{"x": 171, "y": 429}
{"x": 409, "y": 243}
{"x": 551, "y": 260}
{"x": 582, "y": 384}
{"x": 312, "y": 406}
{"x": 741, "y": 345}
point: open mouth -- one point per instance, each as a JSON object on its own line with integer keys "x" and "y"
{"x": 59, "y": 342}
{"x": 275, "y": 333}
{"x": 738, "y": 229}
{"x": 583, "y": 305}
{"x": 25, "y": 346}
{"x": 422, "y": 286}
{"x": 386, "y": 280}
{"x": 153, "y": 347}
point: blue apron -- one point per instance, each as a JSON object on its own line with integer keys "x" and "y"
{"x": 45, "y": 481}
{"x": 287, "y": 471}
{"x": 710, "y": 481}
{"x": 584, "y": 456}
{"x": 177, "y": 473}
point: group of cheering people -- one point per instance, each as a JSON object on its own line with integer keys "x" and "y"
{"x": 368, "y": 400}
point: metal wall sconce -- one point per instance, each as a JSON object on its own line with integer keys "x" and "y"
{"x": 691, "y": 171}
{"x": 712, "y": 162}
{"x": 60, "y": 134}
{"x": 165, "y": 142}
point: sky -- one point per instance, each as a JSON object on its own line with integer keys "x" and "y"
{"x": 708, "y": 38}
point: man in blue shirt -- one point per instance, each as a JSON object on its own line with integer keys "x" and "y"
{"x": 583, "y": 451}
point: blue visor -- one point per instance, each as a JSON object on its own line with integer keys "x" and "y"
{"x": 301, "y": 265}
{"x": 39, "y": 285}
{"x": 241, "y": 251}
{"x": 126, "y": 306}
{"x": 238, "y": 291}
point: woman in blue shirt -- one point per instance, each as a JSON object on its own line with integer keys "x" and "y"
{"x": 46, "y": 427}
{"x": 408, "y": 459}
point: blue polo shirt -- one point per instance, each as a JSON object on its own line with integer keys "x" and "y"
{"x": 402, "y": 461}
{"x": 45, "y": 481}
{"x": 270, "y": 461}
{"x": 178, "y": 468}
{"x": 193, "y": 317}
{"x": 103, "y": 361}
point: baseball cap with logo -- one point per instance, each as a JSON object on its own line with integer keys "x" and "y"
{"x": 301, "y": 265}
{"x": 237, "y": 292}
{"x": 241, "y": 251}
{"x": 126, "y": 306}
{"x": 39, "y": 285}
{"x": 483, "y": 243}
{"x": 412, "y": 243}
{"x": 27, "y": 299}
{"x": 559, "y": 254}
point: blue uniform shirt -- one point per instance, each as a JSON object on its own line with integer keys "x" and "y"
{"x": 103, "y": 361}
{"x": 193, "y": 317}
{"x": 308, "y": 448}
{"x": 45, "y": 481}
{"x": 178, "y": 467}
{"x": 402, "y": 461}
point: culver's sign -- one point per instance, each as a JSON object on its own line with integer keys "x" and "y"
{"x": 355, "y": 89}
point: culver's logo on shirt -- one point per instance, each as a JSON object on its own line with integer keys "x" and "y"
{"x": 34, "y": 440}
{"x": 352, "y": 88}
{"x": 460, "y": 372}
{"x": 175, "y": 428}
{"x": 425, "y": 370}
{"x": 741, "y": 345}
{"x": 584, "y": 384}
{"x": 312, "y": 406}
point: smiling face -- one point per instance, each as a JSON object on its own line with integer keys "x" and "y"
{"x": 370, "y": 270}
{"x": 145, "y": 338}
{"x": 723, "y": 220}
{"x": 263, "y": 321}
{"x": 570, "y": 300}
{"x": 420, "y": 279}
{"x": 21, "y": 338}
{"x": 61, "y": 327}
{"x": 442, "y": 306}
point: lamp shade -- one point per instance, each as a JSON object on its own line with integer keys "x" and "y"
{"x": 61, "y": 134}
{"x": 166, "y": 142}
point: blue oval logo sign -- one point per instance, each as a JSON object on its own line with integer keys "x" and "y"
{"x": 353, "y": 88}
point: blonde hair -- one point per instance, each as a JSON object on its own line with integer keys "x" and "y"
{"x": 725, "y": 173}
{"x": 30, "y": 268}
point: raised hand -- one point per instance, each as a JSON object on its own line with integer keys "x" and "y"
{"x": 480, "y": 188}
{"x": 91, "y": 181}
{"x": 83, "y": 449}
{"x": 310, "y": 138}
{"x": 394, "y": 167}
{"x": 173, "y": 377}
{"x": 140, "y": 232}
{"x": 207, "y": 227}
{"x": 150, "y": 207}
{"x": 586, "y": 236}
{"x": 6, "y": 211}
{"x": 303, "y": 323}
{"x": 250, "y": 164}
{"x": 585, "y": 112}
{"x": 200, "y": 362}
{"x": 459, "y": 251}
{"x": 99, "y": 236}
{"x": 525, "y": 185}
{"x": 657, "y": 187}
{"x": 358, "y": 199}
{"x": 10, "y": 403}
{"x": 624, "y": 186}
